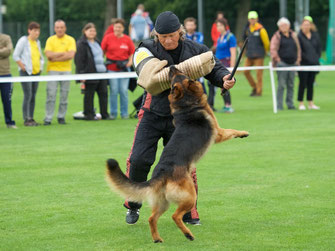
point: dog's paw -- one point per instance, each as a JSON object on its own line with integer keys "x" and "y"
{"x": 159, "y": 240}
{"x": 243, "y": 134}
{"x": 190, "y": 237}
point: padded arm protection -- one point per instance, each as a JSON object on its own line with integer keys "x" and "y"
{"x": 153, "y": 76}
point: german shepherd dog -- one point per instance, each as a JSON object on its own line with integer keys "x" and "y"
{"x": 196, "y": 129}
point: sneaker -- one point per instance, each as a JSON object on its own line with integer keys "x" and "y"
{"x": 34, "y": 123}
{"x": 27, "y": 122}
{"x": 91, "y": 118}
{"x": 132, "y": 216}
{"x": 291, "y": 108}
{"x": 61, "y": 121}
{"x": 11, "y": 126}
{"x": 125, "y": 117}
{"x": 302, "y": 107}
{"x": 228, "y": 109}
{"x": 112, "y": 117}
{"x": 47, "y": 123}
{"x": 188, "y": 219}
{"x": 313, "y": 107}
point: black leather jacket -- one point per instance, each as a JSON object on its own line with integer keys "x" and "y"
{"x": 159, "y": 104}
{"x": 84, "y": 59}
{"x": 310, "y": 48}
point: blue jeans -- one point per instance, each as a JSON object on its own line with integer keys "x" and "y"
{"x": 118, "y": 86}
{"x": 6, "y": 97}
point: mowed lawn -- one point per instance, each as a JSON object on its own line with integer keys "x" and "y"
{"x": 271, "y": 191}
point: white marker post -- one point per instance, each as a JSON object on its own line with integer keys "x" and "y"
{"x": 274, "y": 97}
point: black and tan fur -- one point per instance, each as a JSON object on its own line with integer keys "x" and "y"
{"x": 196, "y": 129}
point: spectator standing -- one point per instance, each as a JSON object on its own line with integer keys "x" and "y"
{"x": 310, "y": 54}
{"x": 90, "y": 59}
{"x": 285, "y": 51}
{"x": 119, "y": 50}
{"x": 60, "y": 50}
{"x": 215, "y": 34}
{"x": 226, "y": 53}
{"x": 256, "y": 49}
{"x": 146, "y": 15}
{"x": 29, "y": 58}
{"x": 155, "y": 120}
{"x": 190, "y": 25}
{"x": 6, "y": 47}
{"x": 138, "y": 27}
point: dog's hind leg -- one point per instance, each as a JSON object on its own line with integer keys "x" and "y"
{"x": 158, "y": 209}
{"x": 183, "y": 193}
{"x": 226, "y": 134}
{"x": 178, "y": 218}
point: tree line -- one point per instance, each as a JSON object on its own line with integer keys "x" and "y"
{"x": 77, "y": 12}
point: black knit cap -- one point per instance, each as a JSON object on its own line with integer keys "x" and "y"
{"x": 167, "y": 22}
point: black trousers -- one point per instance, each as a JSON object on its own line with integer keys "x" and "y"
{"x": 306, "y": 80}
{"x": 150, "y": 129}
{"x": 211, "y": 96}
{"x": 101, "y": 88}
{"x": 6, "y": 90}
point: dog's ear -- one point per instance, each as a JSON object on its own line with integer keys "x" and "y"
{"x": 196, "y": 88}
{"x": 177, "y": 91}
{"x": 173, "y": 72}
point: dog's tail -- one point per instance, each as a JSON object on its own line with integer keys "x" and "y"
{"x": 131, "y": 190}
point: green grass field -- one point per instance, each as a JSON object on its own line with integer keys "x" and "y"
{"x": 271, "y": 191}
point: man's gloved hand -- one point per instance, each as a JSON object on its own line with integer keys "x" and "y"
{"x": 153, "y": 76}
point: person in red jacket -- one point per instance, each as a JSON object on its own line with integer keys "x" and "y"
{"x": 119, "y": 50}
{"x": 215, "y": 34}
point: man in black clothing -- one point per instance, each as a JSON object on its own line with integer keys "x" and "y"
{"x": 155, "y": 119}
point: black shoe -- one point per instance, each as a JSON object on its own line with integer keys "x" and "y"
{"x": 34, "y": 123}
{"x": 132, "y": 216}
{"x": 91, "y": 118}
{"x": 61, "y": 121}
{"x": 47, "y": 123}
{"x": 27, "y": 122}
{"x": 188, "y": 219}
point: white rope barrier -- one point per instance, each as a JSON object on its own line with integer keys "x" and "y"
{"x": 307, "y": 68}
{"x": 88, "y": 76}
{"x": 114, "y": 75}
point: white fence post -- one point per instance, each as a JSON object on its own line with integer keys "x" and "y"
{"x": 274, "y": 97}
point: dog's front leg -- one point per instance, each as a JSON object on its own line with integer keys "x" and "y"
{"x": 226, "y": 134}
